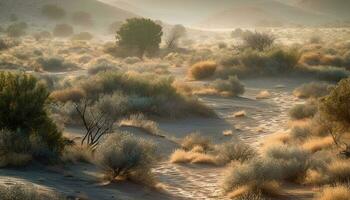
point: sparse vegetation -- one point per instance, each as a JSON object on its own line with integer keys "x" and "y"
{"x": 16, "y": 29}
{"x": 302, "y": 111}
{"x": 312, "y": 90}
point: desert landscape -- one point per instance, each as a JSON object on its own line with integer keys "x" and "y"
{"x": 156, "y": 100}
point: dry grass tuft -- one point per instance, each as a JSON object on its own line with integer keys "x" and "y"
{"x": 339, "y": 171}
{"x": 182, "y": 156}
{"x": 265, "y": 94}
{"x": 141, "y": 122}
{"x": 202, "y": 70}
{"x": 195, "y": 139}
{"x": 318, "y": 144}
{"x": 241, "y": 113}
{"x": 334, "y": 193}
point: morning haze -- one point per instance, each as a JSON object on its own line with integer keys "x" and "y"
{"x": 174, "y": 100}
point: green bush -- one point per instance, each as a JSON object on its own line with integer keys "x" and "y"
{"x": 53, "y": 12}
{"x": 23, "y": 102}
{"x": 336, "y": 106}
{"x": 302, "y": 111}
{"x": 122, "y": 155}
{"x": 54, "y": 64}
{"x": 141, "y": 34}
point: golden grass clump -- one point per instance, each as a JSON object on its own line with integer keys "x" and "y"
{"x": 202, "y": 70}
{"x": 334, "y": 193}
{"x": 339, "y": 171}
{"x": 182, "y": 156}
{"x": 69, "y": 94}
{"x": 141, "y": 122}
{"x": 265, "y": 94}
{"x": 318, "y": 144}
{"x": 195, "y": 139}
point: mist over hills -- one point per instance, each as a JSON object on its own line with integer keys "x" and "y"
{"x": 30, "y": 11}
{"x": 232, "y": 13}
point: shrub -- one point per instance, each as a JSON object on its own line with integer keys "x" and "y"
{"x": 121, "y": 155}
{"x": 258, "y": 41}
{"x": 101, "y": 68}
{"x": 334, "y": 193}
{"x": 54, "y": 64}
{"x": 82, "y": 18}
{"x": 53, "y": 12}
{"x": 274, "y": 61}
{"x": 293, "y": 161}
{"x": 176, "y": 33}
{"x": 23, "y": 102}
{"x": 302, "y": 111}
{"x": 83, "y": 36}
{"x": 329, "y": 73}
{"x": 141, "y": 34}
{"x": 235, "y": 151}
{"x": 232, "y": 86}
{"x": 195, "y": 139}
{"x": 63, "y": 30}
{"x": 16, "y": 29}
{"x": 202, "y": 70}
{"x": 335, "y": 106}
{"x": 300, "y": 133}
{"x": 258, "y": 176}
{"x": 42, "y": 35}
{"x": 312, "y": 90}
{"x": 237, "y": 33}
{"x": 25, "y": 192}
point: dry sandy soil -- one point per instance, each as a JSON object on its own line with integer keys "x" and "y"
{"x": 263, "y": 117}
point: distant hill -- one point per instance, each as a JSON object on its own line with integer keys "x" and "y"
{"x": 30, "y": 11}
{"x": 335, "y": 8}
{"x": 261, "y": 12}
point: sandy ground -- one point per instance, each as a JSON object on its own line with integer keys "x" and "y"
{"x": 263, "y": 117}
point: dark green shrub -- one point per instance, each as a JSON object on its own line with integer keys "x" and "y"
{"x": 303, "y": 111}
{"x": 53, "y": 12}
{"x": 23, "y": 102}
{"x": 141, "y": 34}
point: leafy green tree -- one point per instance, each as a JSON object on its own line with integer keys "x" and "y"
{"x": 140, "y": 34}
{"x": 23, "y": 103}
